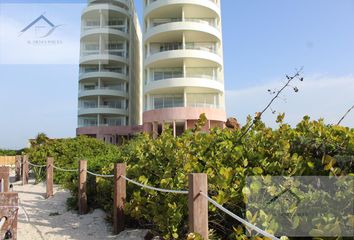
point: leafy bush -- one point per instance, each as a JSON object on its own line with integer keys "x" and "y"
{"x": 7, "y": 152}
{"x": 311, "y": 148}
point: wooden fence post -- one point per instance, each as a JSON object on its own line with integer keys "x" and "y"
{"x": 18, "y": 168}
{"x": 25, "y": 170}
{"x": 82, "y": 187}
{"x": 50, "y": 162}
{"x": 4, "y": 175}
{"x": 119, "y": 197}
{"x": 197, "y": 204}
{"x": 9, "y": 199}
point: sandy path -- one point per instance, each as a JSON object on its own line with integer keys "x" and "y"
{"x": 62, "y": 224}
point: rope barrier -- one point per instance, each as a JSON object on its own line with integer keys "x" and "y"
{"x": 65, "y": 170}
{"x": 100, "y": 175}
{"x": 257, "y": 229}
{"x": 8, "y": 207}
{"x": 251, "y": 226}
{"x": 35, "y": 165}
{"x": 153, "y": 188}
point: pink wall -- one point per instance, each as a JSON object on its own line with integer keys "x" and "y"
{"x": 170, "y": 114}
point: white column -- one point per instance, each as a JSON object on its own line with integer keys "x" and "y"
{"x": 174, "y": 128}
{"x": 125, "y": 48}
{"x": 101, "y": 19}
{"x": 147, "y": 24}
{"x": 148, "y": 102}
{"x": 184, "y": 70}
{"x": 100, "y": 44}
{"x": 147, "y": 49}
{"x": 185, "y": 98}
{"x": 148, "y": 75}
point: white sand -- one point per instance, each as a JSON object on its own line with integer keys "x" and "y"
{"x": 66, "y": 225}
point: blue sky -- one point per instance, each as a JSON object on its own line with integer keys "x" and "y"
{"x": 263, "y": 41}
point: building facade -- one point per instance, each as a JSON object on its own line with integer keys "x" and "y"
{"x": 183, "y": 64}
{"x": 110, "y": 86}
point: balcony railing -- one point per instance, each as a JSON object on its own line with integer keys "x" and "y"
{"x": 88, "y": 125}
{"x": 152, "y": 1}
{"x": 160, "y": 21}
{"x": 115, "y": 88}
{"x": 115, "y": 105}
{"x": 109, "y": 124}
{"x": 203, "y": 105}
{"x": 113, "y": 122}
{"x": 120, "y": 53}
{"x": 191, "y": 105}
{"x": 164, "y": 47}
{"x": 97, "y": 25}
{"x": 113, "y": 70}
{"x": 169, "y": 73}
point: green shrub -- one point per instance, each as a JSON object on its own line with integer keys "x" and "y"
{"x": 311, "y": 148}
{"x": 4, "y": 152}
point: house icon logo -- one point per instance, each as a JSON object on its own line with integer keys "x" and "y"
{"x": 41, "y": 26}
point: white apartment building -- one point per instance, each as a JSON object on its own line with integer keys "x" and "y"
{"x": 110, "y": 87}
{"x": 183, "y": 64}
{"x": 179, "y": 76}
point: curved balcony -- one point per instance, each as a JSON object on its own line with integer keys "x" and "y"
{"x": 155, "y": 5}
{"x": 106, "y": 6}
{"x": 102, "y": 110}
{"x": 159, "y": 86}
{"x": 183, "y": 113}
{"x": 161, "y": 57}
{"x": 96, "y": 30}
{"x": 107, "y": 56}
{"x": 182, "y": 26}
{"x": 103, "y": 92}
{"x": 102, "y": 74}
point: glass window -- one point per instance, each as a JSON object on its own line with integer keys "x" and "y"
{"x": 158, "y": 102}
{"x": 168, "y": 102}
{"x": 158, "y": 76}
{"x": 178, "y": 101}
{"x": 115, "y": 22}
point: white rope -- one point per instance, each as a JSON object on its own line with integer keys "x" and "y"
{"x": 35, "y": 165}
{"x": 153, "y": 188}
{"x": 65, "y": 170}
{"x": 2, "y": 221}
{"x": 100, "y": 175}
{"x": 264, "y": 233}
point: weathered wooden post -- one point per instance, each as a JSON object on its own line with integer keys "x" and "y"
{"x": 50, "y": 162}
{"x": 25, "y": 170}
{"x": 82, "y": 187}
{"x": 4, "y": 176}
{"x": 10, "y": 200}
{"x": 18, "y": 168}
{"x": 197, "y": 204}
{"x": 119, "y": 197}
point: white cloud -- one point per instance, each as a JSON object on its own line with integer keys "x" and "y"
{"x": 318, "y": 96}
